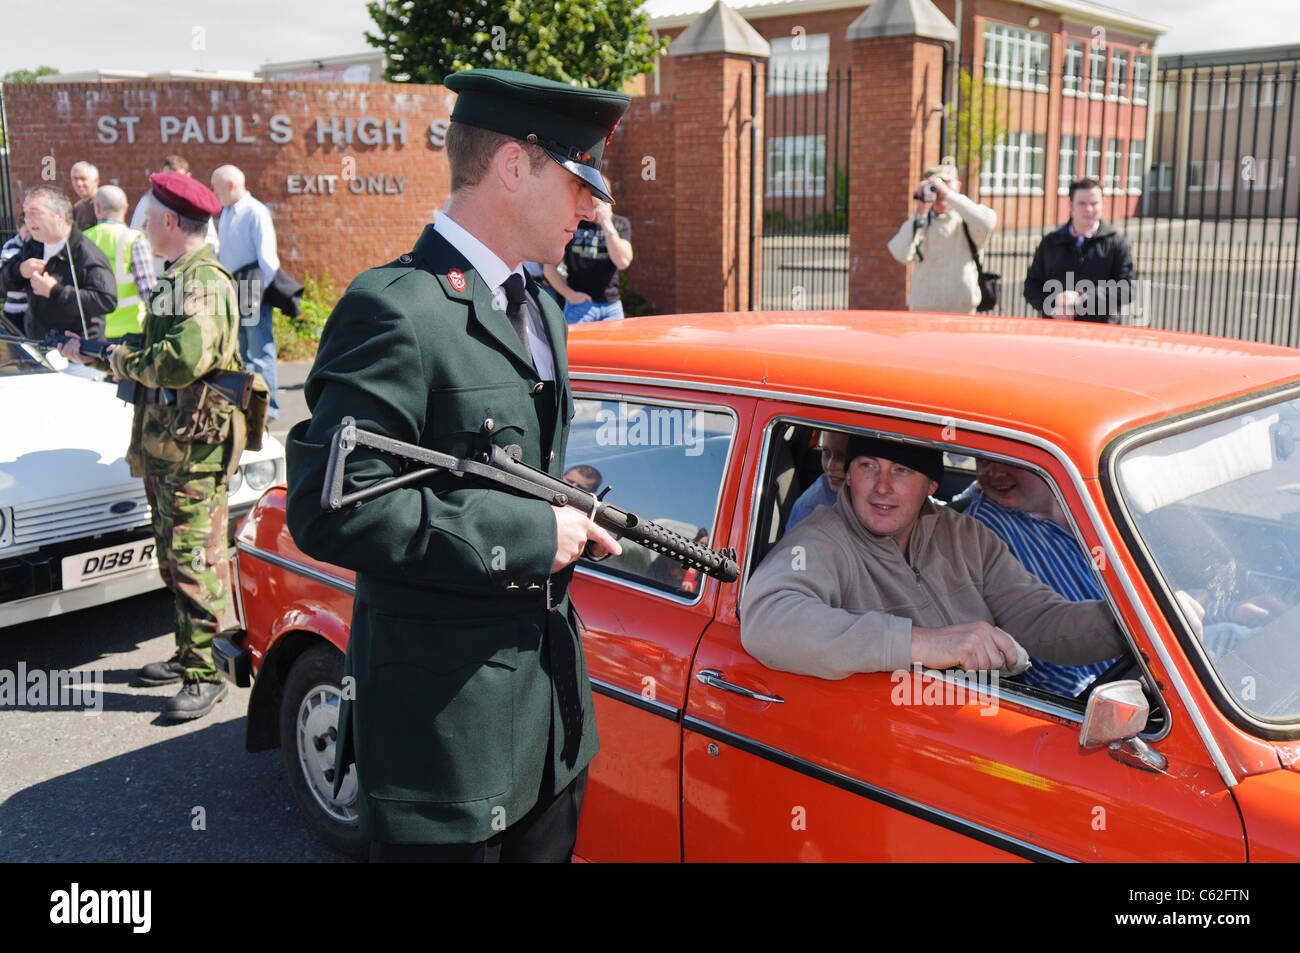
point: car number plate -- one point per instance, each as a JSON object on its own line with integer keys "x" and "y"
{"x": 87, "y": 568}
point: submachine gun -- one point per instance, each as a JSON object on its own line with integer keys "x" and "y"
{"x": 235, "y": 386}
{"x": 500, "y": 468}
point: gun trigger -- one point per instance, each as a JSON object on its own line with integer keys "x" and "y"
{"x": 600, "y": 497}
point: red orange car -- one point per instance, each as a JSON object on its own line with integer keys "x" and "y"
{"x": 1175, "y": 458}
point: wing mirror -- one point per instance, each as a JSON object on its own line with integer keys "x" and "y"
{"x": 1114, "y": 716}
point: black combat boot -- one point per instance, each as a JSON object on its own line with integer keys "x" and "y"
{"x": 194, "y": 700}
{"x": 162, "y": 673}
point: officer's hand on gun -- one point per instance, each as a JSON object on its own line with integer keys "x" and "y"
{"x": 71, "y": 349}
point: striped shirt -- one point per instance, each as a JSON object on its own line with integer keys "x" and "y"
{"x": 15, "y": 301}
{"x": 1052, "y": 554}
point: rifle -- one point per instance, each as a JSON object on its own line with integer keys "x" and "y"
{"x": 502, "y": 469}
{"x": 235, "y": 386}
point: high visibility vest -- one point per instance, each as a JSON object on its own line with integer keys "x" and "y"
{"x": 115, "y": 239}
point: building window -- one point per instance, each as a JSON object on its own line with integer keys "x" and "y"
{"x": 1136, "y": 158}
{"x": 1141, "y": 77}
{"x": 1110, "y": 182}
{"x": 1217, "y": 94}
{"x": 1117, "y": 87}
{"x": 1161, "y": 177}
{"x": 1069, "y": 166}
{"x": 1016, "y": 58}
{"x": 796, "y": 165}
{"x": 1072, "y": 80}
{"x": 1096, "y": 70}
{"x": 1204, "y": 175}
{"x": 1268, "y": 91}
{"x": 1092, "y": 159}
{"x": 1167, "y": 96}
{"x": 799, "y": 69}
{"x": 1015, "y": 166}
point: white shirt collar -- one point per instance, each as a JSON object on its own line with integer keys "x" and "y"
{"x": 482, "y": 259}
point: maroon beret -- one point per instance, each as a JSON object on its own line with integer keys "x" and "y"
{"x": 184, "y": 195}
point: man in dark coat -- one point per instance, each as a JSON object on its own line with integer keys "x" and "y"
{"x": 466, "y": 705}
{"x": 43, "y": 268}
{"x": 1084, "y": 270}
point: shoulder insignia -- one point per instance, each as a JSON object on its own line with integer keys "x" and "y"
{"x": 456, "y": 279}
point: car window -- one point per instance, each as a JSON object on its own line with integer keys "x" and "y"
{"x": 1218, "y": 506}
{"x": 662, "y": 461}
{"x": 16, "y": 359}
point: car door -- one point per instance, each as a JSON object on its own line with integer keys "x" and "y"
{"x": 667, "y": 456}
{"x": 904, "y": 766}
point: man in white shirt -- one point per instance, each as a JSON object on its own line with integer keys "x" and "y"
{"x": 248, "y": 252}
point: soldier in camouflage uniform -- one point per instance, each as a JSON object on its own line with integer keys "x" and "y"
{"x": 185, "y": 439}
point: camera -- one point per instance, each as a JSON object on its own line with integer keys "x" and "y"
{"x": 925, "y": 192}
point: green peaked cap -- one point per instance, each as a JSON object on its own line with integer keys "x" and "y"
{"x": 571, "y": 123}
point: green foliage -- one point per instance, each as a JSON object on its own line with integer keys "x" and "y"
{"x": 979, "y": 121}
{"x": 27, "y": 75}
{"x": 296, "y": 338}
{"x": 634, "y": 304}
{"x": 595, "y": 43}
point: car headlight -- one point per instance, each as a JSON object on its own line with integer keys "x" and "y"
{"x": 236, "y": 481}
{"x": 260, "y": 475}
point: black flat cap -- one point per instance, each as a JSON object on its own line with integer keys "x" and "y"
{"x": 571, "y": 123}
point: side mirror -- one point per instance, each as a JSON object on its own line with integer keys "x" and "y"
{"x": 1114, "y": 716}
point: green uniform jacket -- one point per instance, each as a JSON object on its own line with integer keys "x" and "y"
{"x": 452, "y": 713}
{"x": 191, "y": 327}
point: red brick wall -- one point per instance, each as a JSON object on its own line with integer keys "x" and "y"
{"x": 640, "y": 166}
{"x": 52, "y": 126}
{"x": 897, "y": 80}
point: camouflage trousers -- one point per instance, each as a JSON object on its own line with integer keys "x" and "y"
{"x": 189, "y": 524}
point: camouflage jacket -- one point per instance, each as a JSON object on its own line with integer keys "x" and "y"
{"x": 191, "y": 327}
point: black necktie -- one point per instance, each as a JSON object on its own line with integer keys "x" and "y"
{"x": 514, "y": 289}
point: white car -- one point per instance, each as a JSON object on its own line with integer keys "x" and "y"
{"x": 74, "y": 523}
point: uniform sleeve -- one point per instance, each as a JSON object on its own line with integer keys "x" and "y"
{"x": 1050, "y": 626}
{"x": 191, "y": 348}
{"x": 790, "y": 620}
{"x": 444, "y": 533}
{"x": 902, "y": 246}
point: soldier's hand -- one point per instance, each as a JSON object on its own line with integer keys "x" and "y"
{"x": 973, "y": 646}
{"x": 573, "y": 530}
{"x": 71, "y": 349}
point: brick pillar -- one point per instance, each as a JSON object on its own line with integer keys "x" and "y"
{"x": 897, "y": 81}
{"x": 715, "y": 191}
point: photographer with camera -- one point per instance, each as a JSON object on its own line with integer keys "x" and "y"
{"x": 943, "y": 238}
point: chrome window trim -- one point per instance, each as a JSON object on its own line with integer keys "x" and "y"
{"x": 1129, "y": 442}
{"x": 635, "y": 699}
{"x": 1126, "y": 583}
{"x": 592, "y": 568}
{"x": 275, "y": 559}
{"x": 872, "y": 792}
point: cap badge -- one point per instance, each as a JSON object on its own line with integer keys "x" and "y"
{"x": 456, "y": 279}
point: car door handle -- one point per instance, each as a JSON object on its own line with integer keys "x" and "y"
{"x": 713, "y": 678}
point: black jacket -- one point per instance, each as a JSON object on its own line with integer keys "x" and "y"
{"x": 59, "y": 311}
{"x": 1060, "y": 264}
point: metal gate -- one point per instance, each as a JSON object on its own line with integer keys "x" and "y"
{"x": 7, "y": 225}
{"x": 1197, "y": 162}
{"x": 805, "y": 189}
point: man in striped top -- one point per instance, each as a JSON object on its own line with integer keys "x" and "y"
{"x": 15, "y": 301}
{"x": 1025, "y": 514}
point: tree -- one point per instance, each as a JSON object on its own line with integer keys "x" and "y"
{"x": 979, "y": 122}
{"x": 597, "y": 43}
{"x": 28, "y": 75}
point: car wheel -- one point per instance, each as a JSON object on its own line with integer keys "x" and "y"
{"x": 309, "y": 719}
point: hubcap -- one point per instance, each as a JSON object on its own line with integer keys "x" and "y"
{"x": 318, "y": 722}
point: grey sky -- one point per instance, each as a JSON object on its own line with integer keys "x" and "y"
{"x": 241, "y": 34}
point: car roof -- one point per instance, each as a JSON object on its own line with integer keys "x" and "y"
{"x": 1075, "y": 383}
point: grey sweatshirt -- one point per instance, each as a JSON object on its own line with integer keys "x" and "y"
{"x": 833, "y": 598}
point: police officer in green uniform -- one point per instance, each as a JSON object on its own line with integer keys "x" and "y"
{"x": 185, "y": 439}
{"x": 466, "y": 706}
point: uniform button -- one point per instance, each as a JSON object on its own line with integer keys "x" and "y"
{"x": 405, "y": 259}
{"x": 534, "y": 587}
{"x": 513, "y": 586}
{"x": 488, "y": 424}
{"x": 537, "y": 388}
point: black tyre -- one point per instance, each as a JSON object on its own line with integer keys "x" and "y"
{"x": 309, "y": 718}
